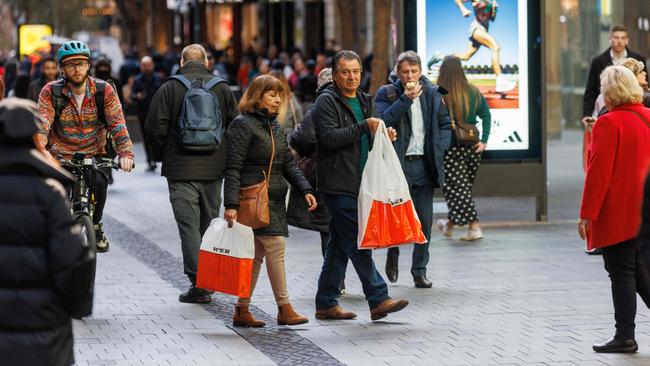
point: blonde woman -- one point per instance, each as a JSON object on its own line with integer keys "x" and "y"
{"x": 610, "y": 212}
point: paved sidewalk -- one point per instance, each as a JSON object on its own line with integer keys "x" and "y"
{"x": 525, "y": 295}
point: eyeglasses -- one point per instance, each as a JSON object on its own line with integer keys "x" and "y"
{"x": 77, "y": 65}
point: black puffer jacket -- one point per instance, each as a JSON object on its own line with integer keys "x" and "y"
{"x": 303, "y": 141}
{"x": 39, "y": 291}
{"x": 249, "y": 154}
{"x": 162, "y": 120}
{"x": 339, "y": 146}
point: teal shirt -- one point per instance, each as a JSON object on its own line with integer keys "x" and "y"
{"x": 365, "y": 140}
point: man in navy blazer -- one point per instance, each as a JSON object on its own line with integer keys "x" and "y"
{"x": 414, "y": 107}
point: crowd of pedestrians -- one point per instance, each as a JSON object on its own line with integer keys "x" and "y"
{"x": 305, "y": 129}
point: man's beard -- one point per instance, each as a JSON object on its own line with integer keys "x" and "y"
{"x": 77, "y": 85}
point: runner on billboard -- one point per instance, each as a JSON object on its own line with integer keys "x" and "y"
{"x": 485, "y": 11}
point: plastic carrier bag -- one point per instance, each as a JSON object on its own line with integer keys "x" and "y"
{"x": 226, "y": 259}
{"x": 387, "y": 216}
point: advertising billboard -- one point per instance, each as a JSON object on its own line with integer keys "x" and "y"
{"x": 492, "y": 40}
{"x": 31, "y": 38}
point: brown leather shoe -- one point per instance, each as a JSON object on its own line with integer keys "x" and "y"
{"x": 387, "y": 306}
{"x": 288, "y": 316}
{"x": 335, "y": 313}
{"x": 244, "y": 318}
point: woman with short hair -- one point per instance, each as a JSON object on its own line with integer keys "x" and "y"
{"x": 250, "y": 146}
{"x": 610, "y": 213}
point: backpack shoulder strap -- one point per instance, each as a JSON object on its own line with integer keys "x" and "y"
{"x": 100, "y": 94}
{"x": 58, "y": 100}
{"x": 185, "y": 81}
{"x": 208, "y": 85}
{"x": 391, "y": 92}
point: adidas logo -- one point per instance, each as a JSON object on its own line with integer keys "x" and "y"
{"x": 514, "y": 137}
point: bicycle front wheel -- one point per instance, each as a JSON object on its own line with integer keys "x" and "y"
{"x": 87, "y": 230}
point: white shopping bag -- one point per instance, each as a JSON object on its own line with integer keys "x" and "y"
{"x": 226, "y": 258}
{"x": 387, "y": 216}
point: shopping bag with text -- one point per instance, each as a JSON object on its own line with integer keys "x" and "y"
{"x": 387, "y": 216}
{"x": 226, "y": 259}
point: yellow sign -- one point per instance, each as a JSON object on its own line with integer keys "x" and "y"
{"x": 31, "y": 38}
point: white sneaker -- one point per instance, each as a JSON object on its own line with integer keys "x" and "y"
{"x": 504, "y": 84}
{"x": 443, "y": 225}
{"x": 472, "y": 235}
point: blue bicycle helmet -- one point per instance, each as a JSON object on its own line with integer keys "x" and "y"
{"x": 72, "y": 48}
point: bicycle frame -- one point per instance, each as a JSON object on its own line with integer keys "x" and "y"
{"x": 82, "y": 197}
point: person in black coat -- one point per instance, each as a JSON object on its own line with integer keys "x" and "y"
{"x": 250, "y": 147}
{"x": 145, "y": 85}
{"x": 49, "y": 72}
{"x": 194, "y": 178}
{"x": 613, "y": 55}
{"x": 46, "y": 274}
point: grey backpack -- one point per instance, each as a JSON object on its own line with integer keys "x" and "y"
{"x": 200, "y": 123}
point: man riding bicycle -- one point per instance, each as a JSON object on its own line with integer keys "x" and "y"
{"x": 76, "y": 122}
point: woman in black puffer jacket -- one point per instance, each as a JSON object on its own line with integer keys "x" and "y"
{"x": 249, "y": 154}
{"x": 46, "y": 275}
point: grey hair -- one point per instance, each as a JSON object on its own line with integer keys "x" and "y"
{"x": 409, "y": 56}
{"x": 146, "y": 59}
{"x": 348, "y": 55}
{"x": 194, "y": 52}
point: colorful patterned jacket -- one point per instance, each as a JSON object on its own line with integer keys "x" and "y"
{"x": 83, "y": 132}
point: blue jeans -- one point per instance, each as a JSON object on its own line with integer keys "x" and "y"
{"x": 421, "y": 191}
{"x": 343, "y": 245}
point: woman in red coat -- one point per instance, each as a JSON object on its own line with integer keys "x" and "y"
{"x": 610, "y": 214}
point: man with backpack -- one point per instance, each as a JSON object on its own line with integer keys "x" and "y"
{"x": 78, "y": 111}
{"x": 185, "y": 125}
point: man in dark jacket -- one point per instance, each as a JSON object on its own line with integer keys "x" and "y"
{"x": 145, "y": 85}
{"x": 46, "y": 274}
{"x": 618, "y": 51}
{"x": 194, "y": 178}
{"x": 415, "y": 109}
{"x": 49, "y": 72}
{"x": 345, "y": 121}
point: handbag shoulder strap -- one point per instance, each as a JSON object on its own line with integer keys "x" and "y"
{"x": 641, "y": 117}
{"x": 272, "y": 151}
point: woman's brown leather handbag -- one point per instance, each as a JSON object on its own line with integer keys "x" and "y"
{"x": 254, "y": 200}
{"x": 465, "y": 133}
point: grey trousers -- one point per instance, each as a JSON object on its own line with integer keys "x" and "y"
{"x": 195, "y": 204}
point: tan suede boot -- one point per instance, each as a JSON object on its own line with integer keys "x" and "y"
{"x": 244, "y": 318}
{"x": 288, "y": 316}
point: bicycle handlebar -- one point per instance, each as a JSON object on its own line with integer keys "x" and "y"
{"x": 92, "y": 162}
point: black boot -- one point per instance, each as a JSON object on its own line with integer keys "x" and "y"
{"x": 195, "y": 296}
{"x": 617, "y": 345}
{"x": 391, "y": 267}
{"x": 422, "y": 282}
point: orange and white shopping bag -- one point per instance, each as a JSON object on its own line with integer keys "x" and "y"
{"x": 226, "y": 258}
{"x": 387, "y": 216}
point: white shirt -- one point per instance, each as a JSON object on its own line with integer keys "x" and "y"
{"x": 416, "y": 145}
{"x": 79, "y": 99}
{"x": 616, "y": 61}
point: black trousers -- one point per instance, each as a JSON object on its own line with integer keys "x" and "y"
{"x": 101, "y": 192}
{"x": 626, "y": 264}
{"x": 145, "y": 140}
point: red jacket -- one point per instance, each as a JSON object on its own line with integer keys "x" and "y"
{"x": 619, "y": 157}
